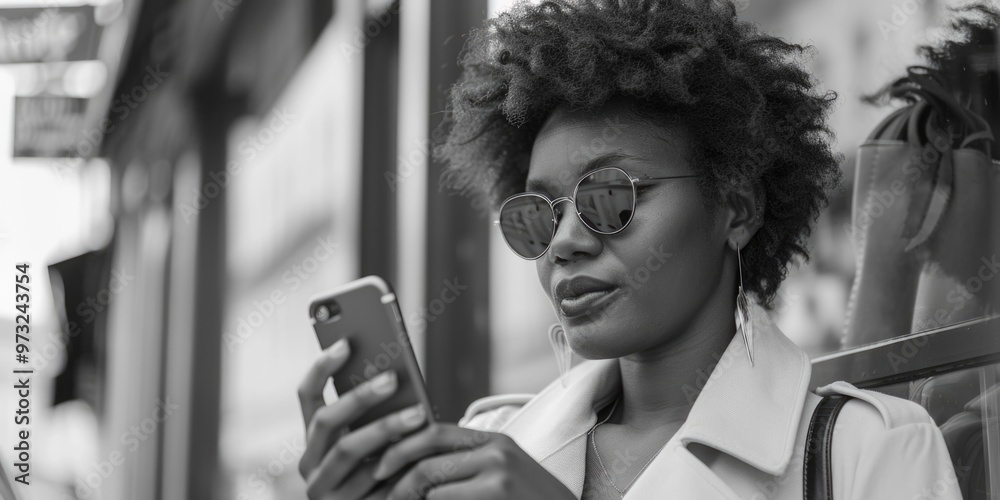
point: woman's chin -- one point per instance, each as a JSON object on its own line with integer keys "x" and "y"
{"x": 591, "y": 343}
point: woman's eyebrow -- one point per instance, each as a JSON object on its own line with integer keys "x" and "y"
{"x": 604, "y": 160}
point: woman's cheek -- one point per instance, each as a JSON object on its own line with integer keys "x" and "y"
{"x": 673, "y": 260}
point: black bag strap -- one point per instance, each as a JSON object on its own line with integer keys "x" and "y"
{"x": 817, "y": 467}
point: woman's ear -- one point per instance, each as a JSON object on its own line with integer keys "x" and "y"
{"x": 745, "y": 205}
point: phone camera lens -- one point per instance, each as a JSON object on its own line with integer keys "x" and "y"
{"x": 322, "y": 313}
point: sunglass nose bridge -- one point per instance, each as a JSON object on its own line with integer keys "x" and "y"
{"x": 556, "y": 210}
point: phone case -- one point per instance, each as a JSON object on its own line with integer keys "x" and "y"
{"x": 369, "y": 317}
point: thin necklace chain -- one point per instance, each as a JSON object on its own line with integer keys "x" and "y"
{"x": 593, "y": 439}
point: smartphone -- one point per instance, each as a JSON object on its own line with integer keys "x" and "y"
{"x": 365, "y": 311}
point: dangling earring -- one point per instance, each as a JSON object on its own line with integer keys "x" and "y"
{"x": 564, "y": 354}
{"x": 744, "y": 320}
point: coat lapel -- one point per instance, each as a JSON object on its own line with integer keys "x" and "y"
{"x": 552, "y": 427}
{"x": 750, "y": 413}
{"x": 676, "y": 470}
{"x": 753, "y": 413}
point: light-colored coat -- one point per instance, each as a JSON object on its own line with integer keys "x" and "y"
{"x": 752, "y": 422}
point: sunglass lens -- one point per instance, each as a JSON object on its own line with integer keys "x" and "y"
{"x": 605, "y": 200}
{"x": 526, "y": 224}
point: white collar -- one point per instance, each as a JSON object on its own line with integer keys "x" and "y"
{"x": 751, "y": 413}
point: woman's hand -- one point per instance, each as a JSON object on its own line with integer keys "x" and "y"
{"x": 334, "y": 463}
{"x": 452, "y": 462}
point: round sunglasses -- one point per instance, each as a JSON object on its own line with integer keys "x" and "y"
{"x": 604, "y": 201}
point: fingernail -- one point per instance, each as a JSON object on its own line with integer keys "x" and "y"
{"x": 412, "y": 416}
{"x": 384, "y": 383}
{"x": 338, "y": 350}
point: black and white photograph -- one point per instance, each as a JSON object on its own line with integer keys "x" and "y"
{"x": 499, "y": 249}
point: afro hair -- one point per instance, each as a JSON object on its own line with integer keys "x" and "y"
{"x": 963, "y": 56}
{"x": 754, "y": 112}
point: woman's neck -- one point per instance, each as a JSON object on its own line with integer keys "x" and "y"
{"x": 660, "y": 385}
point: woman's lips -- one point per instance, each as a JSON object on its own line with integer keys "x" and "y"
{"x": 587, "y": 302}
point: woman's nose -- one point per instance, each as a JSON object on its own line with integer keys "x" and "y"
{"x": 573, "y": 240}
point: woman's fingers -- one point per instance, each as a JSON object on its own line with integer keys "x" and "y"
{"x": 355, "y": 487}
{"x": 311, "y": 388}
{"x": 430, "y": 441}
{"x": 479, "y": 488}
{"x": 381, "y": 492}
{"x": 350, "y": 449}
{"x": 331, "y": 419}
{"x": 438, "y": 471}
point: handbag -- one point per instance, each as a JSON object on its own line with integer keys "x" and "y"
{"x": 921, "y": 215}
{"x": 817, "y": 467}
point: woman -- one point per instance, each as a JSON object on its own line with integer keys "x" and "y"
{"x": 660, "y": 162}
